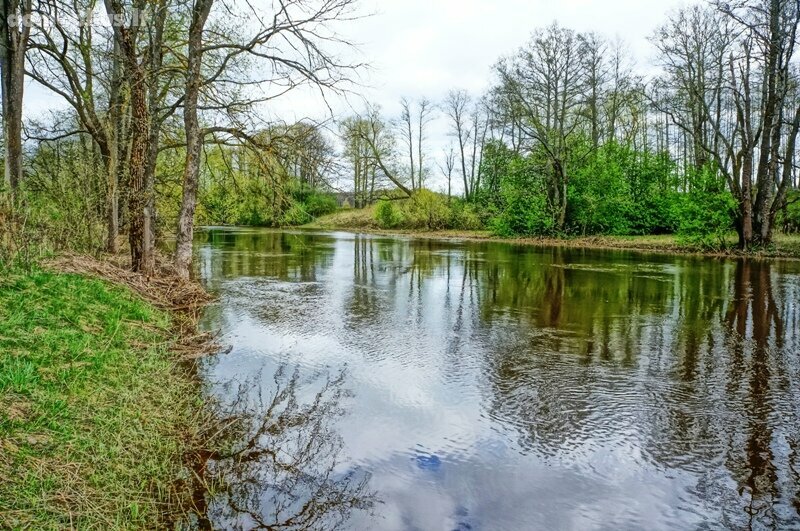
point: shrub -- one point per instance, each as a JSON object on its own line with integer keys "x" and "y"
{"x": 295, "y": 215}
{"x": 790, "y": 216}
{"x": 464, "y": 216}
{"x": 387, "y": 215}
{"x": 705, "y": 214}
{"x": 426, "y": 210}
{"x": 319, "y": 204}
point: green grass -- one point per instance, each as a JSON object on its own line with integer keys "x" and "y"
{"x": 95, "y": 415}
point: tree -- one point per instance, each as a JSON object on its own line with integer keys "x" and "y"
{"x": 370, "y": 146}
{"x": 449, "y": 157}
{"x": 15, "y": 28}
{"x": 408, "y": 138}
{"x": 183, "y": 249}
{"x": 88, "y": 75}
{"x": 289, "y": 41}
{"x": 139, "y": 190}
{"x": 424, "y": 117}
{"x": 545, "y": 84}
{"x": 456, "y": 106}
{"x": 730, "y": 84}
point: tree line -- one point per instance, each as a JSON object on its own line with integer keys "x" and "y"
{"x": 572, "y": 138}
{"x": 165, "y": 127}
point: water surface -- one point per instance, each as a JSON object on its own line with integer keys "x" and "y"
{"x": 500, "y": 386}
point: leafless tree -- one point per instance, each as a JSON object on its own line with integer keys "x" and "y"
{"x": 457, "y": 108}
{"x": 730, "y": 83}
{"x": 449, "y": 157}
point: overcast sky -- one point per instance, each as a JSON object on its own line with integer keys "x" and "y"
{"x": 422, "y": 48}
{"x": 426, "y": 47}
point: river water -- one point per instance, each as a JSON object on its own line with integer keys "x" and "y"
{"x": 440, "y": 385}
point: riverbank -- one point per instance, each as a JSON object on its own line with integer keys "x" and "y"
{"x": 100, "y": 411}
{"x": 785, "y": 245}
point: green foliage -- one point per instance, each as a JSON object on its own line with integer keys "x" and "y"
{"x": 706, "y": 212}
{"x": 250, "y": 201}
{"x": 464, "y": 215}
{"x": 621, "y": 191}
{"x": 387, "y": 216}
{"x": 319, "y": 203}
{"x": 615, "y": 191}
{"x": 790, "y": 216}
{"x": 295, "y": 215}
{"x": 426, "y": 210}
{"x": 515, "y": 195}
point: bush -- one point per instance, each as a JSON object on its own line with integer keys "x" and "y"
{"x": 295, "y": 215}
{"x": 387, "y": 215}
{"x": 319, "y": 204}
{"x": 523, "y": 215}
{"x": 790, "y": 216}
{"x": 464, "y": 216}
{"x": 519, "y": 203}
{"x": 426, "y": 210}
{"x": 706, "y": 213}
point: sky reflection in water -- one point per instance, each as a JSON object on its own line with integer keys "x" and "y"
{"x": 497, "y": 386}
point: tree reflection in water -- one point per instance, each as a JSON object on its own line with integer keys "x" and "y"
{"x": 283, "y": 471}
{"x": 603, "y": 388}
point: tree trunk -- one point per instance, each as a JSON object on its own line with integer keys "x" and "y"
{"x": 746, "y": 202}
{"x": 142, "y": 259}
{"x": 113, "y": 162}
{"x": 191, "y": 173}
{"x": 13, "y": 43}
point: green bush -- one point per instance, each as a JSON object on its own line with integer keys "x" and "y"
{"x": 518, "y": 200}
{"x": 525, "y": 214}
{"x": 387, "y": 215}
{"x": 790, "y": 216}
{"x": 319, "y": 204}
{"x": 464, "y": 216}
{"x": 426, "y": 210}
{"x": 706, "y": 213}
{"x": 295, "y": 215}
{"x": 621, "y": 191}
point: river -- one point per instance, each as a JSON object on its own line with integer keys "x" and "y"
{"x": 459, "y": 385}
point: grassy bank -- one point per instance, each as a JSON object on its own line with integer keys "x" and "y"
{"x": 363, "y": 220}
{"x": 96, "y": 414}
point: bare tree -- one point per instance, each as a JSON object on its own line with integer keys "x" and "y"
{"x": 425, "y": 111}
{"x": 408, "y": 137}
{"x": 183, "y": 249}
{"x": 449, "y": 157}
{"x": 456, "y": 106}
{"x": 139, "y": 191}
{"x": 729, "y": 85}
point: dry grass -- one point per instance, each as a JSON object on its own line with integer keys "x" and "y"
{"x": 184, "y": 299}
